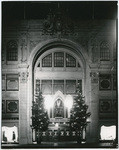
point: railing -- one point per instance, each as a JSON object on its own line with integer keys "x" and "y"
{"x": 60, "y": 135}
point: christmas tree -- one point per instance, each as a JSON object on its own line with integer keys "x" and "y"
{"x": 39, "y": 117}
{"x": 79, "y": 114}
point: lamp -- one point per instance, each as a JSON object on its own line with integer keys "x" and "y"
{"x": 69, "y": 101}
{"x": 48, "y": 102}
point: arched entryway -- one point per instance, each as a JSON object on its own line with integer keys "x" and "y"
{"x": 58, "y": 66}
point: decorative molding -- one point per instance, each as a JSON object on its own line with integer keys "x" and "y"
{"x": 57, "y": 23}
{"x": 94, "y": 77}
{"x": 105, "y": 82}
{"x": 105, "y": 106}
{"x": 12, "y": 106}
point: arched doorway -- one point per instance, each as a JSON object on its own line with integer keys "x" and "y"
{"x": 58, "y": 67}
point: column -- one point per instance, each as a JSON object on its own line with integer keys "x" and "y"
{"x": 23, "y": 108}
{"x": 94, "y": 107}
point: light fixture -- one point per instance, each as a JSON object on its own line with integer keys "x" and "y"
{"x": 57, "y": 125}
{"x": 69, "y": 101}
{"x": 48, "y": 102}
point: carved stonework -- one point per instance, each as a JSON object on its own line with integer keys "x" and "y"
{"x": 23, "y": 46}
{"x": 23, "y": 50}
{"x": 33, "y": 44}
{"x": 23, "y": 77}
{"x": 94, "y": 77}
{"x": 57, "y": 23}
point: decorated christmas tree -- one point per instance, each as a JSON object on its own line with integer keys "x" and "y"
{"x": 39, "y": 117}
{"x": 79, "y": 114}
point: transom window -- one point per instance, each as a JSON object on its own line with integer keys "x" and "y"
{"x": 70, "y": 61}
{"x": 47, "y": 61}
{"x": 59, "y": 59}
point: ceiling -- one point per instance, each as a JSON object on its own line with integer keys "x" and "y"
{"x": 83, "y": 10}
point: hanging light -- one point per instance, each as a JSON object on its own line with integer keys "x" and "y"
{"x": 69, "y": 101}
{"x": 48, "y": 102}
{"x": 57, "y": 125}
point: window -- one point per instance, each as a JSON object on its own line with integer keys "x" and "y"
{"x": 104, "y": 52}
{"x": 47, "y": 61}
{"x": 12, "y": 52}
{"x": 46, "y": 86}
{"x": 66, "y": 86}
{"x": 58, "y": 86}
{"x": 70, "y": 61}
{"x": 70, "y": 86}
{"x": 59, "y": 59}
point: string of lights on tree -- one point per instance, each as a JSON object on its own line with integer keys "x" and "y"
{"x": 39, "y": 117}
{"x": 79, "y": 114}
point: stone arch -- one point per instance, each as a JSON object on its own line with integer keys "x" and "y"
{"x": 38, "y": 51}
{"x": 44, "y": 46}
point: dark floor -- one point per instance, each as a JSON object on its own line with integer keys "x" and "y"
{"x": 59, "y": 145}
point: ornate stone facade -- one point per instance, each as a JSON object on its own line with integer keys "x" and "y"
{"x": 84, "y": 41}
